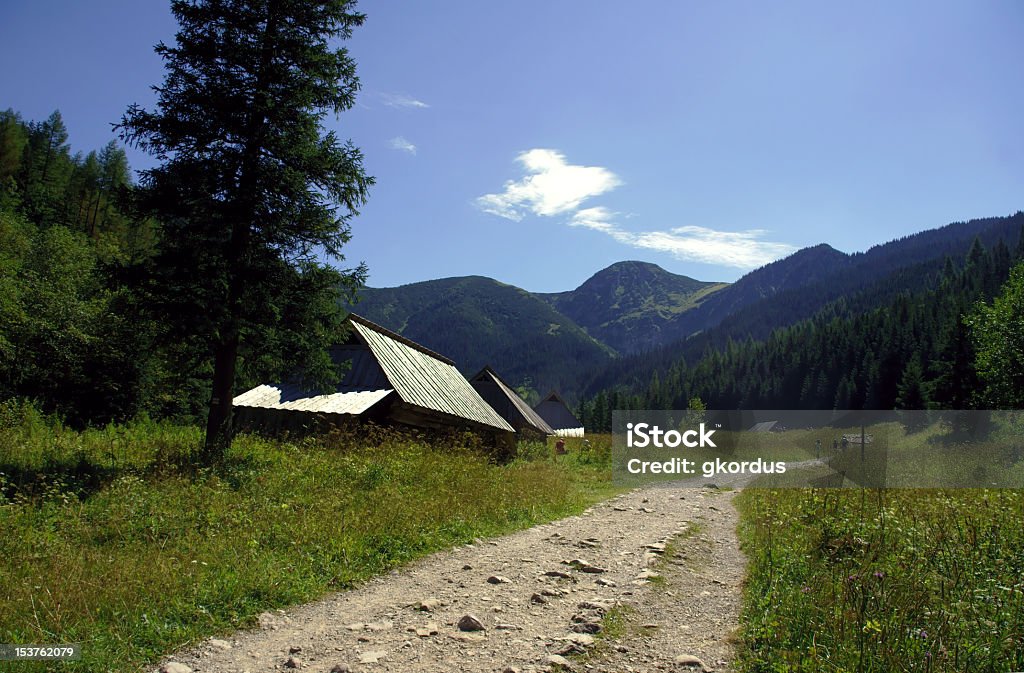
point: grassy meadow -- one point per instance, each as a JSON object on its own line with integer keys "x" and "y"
{"x": 114, "y": 539}
{"x": 864, "y": 580}
{"x": 896, "y": 579}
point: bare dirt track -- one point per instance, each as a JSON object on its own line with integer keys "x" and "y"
{"x": 598, "y": 592}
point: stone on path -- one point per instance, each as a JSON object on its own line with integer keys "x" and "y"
{"x": 470, "y": 623}
{"x": 558, "y": 660}
{"x": 559, "y": 574}
{"x": 586, "y": 627}
{"x": 467, "y": 637}
{"x": 371, "y": 657}
{"x": 429, "y": 604}
{"x": 426, "y": 631}
{"x": 175, "y": 667}
{"x": 690, "y": 661}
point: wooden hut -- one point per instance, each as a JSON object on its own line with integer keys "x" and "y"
{"x": 555, "y": 412}
{"x": 509, "y": 405}
{"x": 390, "y": 379}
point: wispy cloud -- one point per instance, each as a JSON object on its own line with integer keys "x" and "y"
{"x": 399, "y": 100}
{"x": 738, "y": 249}
{"x": 400, "y": 143}
{"x": 551, "y": 186}
{"x": 598, "y": 219}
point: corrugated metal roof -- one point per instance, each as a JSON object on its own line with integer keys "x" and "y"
{"x": 505, "y": 401}
{"x": 294, "y": 398}
{"x": 395, "y": 336}
{"x": 554, "y": 410}
{"x": 425, "y": 379}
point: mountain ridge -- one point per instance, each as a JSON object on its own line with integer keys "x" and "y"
{"x": 564, "y": 340}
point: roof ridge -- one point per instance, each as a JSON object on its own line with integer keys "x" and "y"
{"x": 497, "y": 377}
{"x": 399, "y": 338}
{"x": 554, "y": 394}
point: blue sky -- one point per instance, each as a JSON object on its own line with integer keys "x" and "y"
{"x": 537, "y": 142}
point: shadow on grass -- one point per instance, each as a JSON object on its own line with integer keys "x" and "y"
{"x": 84, "y": 478}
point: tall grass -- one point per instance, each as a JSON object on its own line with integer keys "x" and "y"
{"x": 114, "y": 538}
{"x": 871, "y": 580}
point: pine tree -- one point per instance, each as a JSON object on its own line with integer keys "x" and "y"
{"x": 13, "y": 138}
{"x": 46, "y": 170}
{"x": 251, "y": 187}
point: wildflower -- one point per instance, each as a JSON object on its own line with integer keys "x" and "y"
{"x": 806, "y": 589}
{"x": 879, "y": 574}
{"x": 923, "y": 634}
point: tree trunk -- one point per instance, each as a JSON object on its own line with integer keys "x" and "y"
{"x": 219, "y": 420}
{"x": 218, "y": 423}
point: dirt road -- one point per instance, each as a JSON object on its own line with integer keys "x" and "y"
{"x": 598, "y": 592}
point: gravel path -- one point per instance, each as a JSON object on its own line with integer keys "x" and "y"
{"x": 598, "y": 592}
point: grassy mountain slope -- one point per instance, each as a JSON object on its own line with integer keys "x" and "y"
{"x": 632, "y": 306}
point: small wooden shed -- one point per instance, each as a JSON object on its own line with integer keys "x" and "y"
{"x": 390, "y": 379}
{"x": 509, "y": 405}
{"x": 555, "y": 412}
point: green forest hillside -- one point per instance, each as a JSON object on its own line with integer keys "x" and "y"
{"x": 66, "y": 338}
{"x": 80, "y": 335}
{"x": 940, "y": 341}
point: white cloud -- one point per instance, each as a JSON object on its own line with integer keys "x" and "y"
{"x": 598, "y": 219}
{"x": 399, "y": 100}
{"x": 400, "y": 143}
{"x": 554, "y": 187}
{"x": 551, "y": 186}
{"x": 739, "y": 249}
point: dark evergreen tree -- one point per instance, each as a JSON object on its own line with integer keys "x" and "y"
{"x": 13, "y": 139}
{"x": 251, "y": 189}
{"x": 46, "y": 168}
{"x": 998, "y": 334}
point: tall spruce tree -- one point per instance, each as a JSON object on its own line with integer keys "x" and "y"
{"x": 251, "y": 188}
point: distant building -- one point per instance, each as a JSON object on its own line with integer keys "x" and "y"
{"x": 390, "y": 379}
{"x": 509, "y": 405}
{"x": 555, "y": 412}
